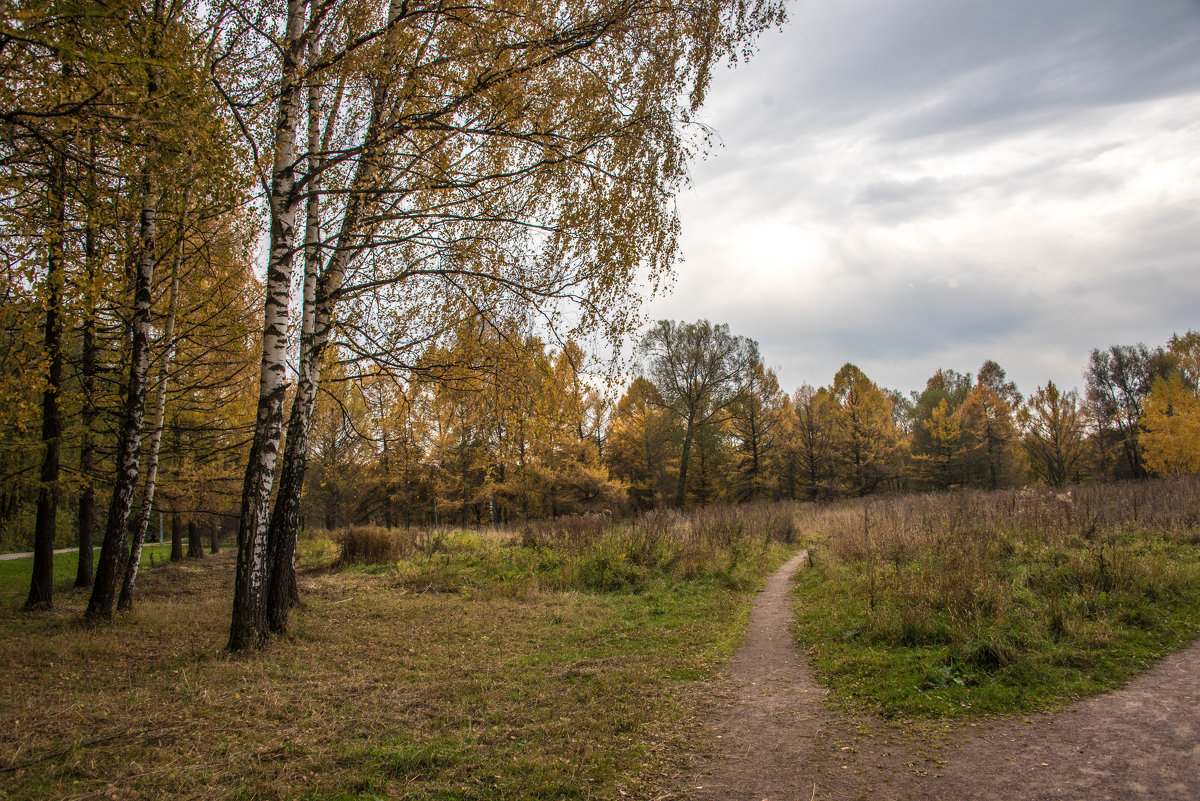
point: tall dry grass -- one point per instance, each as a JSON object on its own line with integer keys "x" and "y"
{"x": 1023, "y": 581}
{"x": 594, "y": 552}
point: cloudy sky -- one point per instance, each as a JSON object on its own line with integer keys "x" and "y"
{"x": 914, "y": 184}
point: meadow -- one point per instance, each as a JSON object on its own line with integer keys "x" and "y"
{"x": 971, "y": 602}
{"x": 562, "y": 660}
{"x": 575, "y": 658}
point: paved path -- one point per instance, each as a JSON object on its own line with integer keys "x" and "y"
{"x": 4, "y": 557}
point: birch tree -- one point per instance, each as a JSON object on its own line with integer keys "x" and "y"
{"x": 514, "y": 150}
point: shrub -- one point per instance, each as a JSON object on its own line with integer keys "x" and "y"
{"x": 372, "y": 545}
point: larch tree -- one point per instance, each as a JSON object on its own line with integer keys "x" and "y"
{"x": 1054, "y": 426}
{"x": 177, "y": 120}
{"x": 42, "y": 104}
{"x": 988, "y": 424}
{"x": 755, "y": 419}
{"x": 865, "y": 437}
{"x": 944, "y": 446}
{"x": 92, "y": 89}
{"x": 812, "y": 442}
{"x": 936, "y": 428}
{"x": 643, "y": 445}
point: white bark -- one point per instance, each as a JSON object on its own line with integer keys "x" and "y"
{"x": 247, "y": 628}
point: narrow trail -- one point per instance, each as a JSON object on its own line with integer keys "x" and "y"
{"x": 767, "y": 727}
{"x": 771, "y": 738}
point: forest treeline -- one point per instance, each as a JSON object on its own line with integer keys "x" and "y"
{"x": 499, "y": 427}
{"x": 524, "y": 434}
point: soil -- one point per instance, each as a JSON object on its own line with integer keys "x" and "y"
{"x": 773, "y": 739}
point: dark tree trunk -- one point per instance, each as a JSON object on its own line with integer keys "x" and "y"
{"x": 87, "y": 450}
{"x": 41, "y": 588}
{"x": 681, "y": 490}
{"x": 195, "y": 542}
{"x": 282, "y": 591}
{"x": 176, "y": 537}
{"x": 214, "y": 538}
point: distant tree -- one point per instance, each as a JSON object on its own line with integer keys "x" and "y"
{"x": 1118, "y": 381}
{"x": 754, "y": 416}
{"x": 1171, "y": 428}
{"x": 992, "y": 441}
{"x": 936, "y": 428}
{"x": 643, "y": 444}
{"x": 813, "y": 440}
{"x": 697, "y": 369}
{"x": 1054, "y": 430}
{"x": 904, "y": 410}
{"x": 944, "y": 446}
{"x": 865, "y": 437}
{"x": 992, "y": 376}
{"x": 1184, "y": 354}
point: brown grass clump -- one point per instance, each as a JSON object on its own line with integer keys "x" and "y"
{"x": 373, "y": 545}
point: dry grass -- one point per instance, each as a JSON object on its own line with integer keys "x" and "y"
{"x": 382, "y": 690}
{"x": 587, "y": 553}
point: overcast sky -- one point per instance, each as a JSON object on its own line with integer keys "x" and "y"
{"x": 914, "y": 184}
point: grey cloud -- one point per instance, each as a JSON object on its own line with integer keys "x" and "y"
{"x": 871, "y": 99}
{"x": 927, "y": 67}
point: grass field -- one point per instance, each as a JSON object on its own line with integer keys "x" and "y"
{"x": 971, "y": 602}
{"x": 501, "y": 679}
{"x": 15, "y": 573}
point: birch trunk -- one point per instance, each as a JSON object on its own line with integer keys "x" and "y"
{"x": 248, "y": 625}
{"x": 125, "y": 602}
{"x": 316, "y": 328}
{"x": 133, "y": 417}
{"x": 281, "y": 590}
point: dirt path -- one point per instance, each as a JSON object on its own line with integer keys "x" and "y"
{"x": 773, "y": 740}
{"x": 770, "y": 712}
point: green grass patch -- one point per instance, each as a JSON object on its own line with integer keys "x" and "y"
{"x": 15, "y": 573}
{"x": 950, "y": 605}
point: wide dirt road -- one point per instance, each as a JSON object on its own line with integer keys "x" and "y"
{"x": 771, "y": 738}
